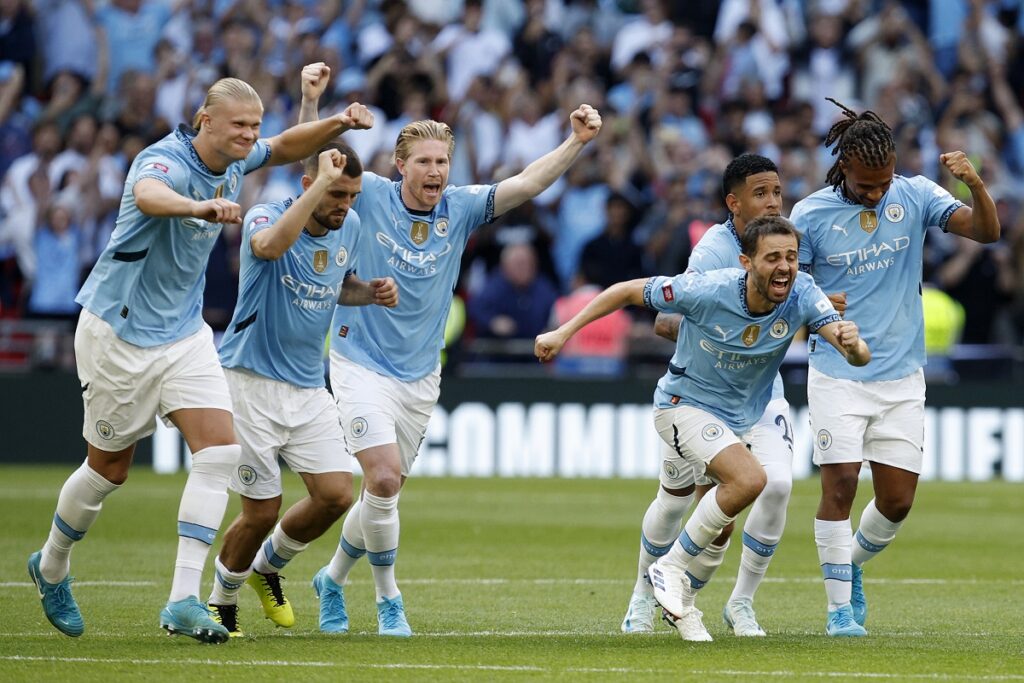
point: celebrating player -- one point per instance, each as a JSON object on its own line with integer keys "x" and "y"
{"x": 737, "y": 327}
{"x": 385, "y": 369}
{"x": 143, "y": 349}
{"x": 864, "y": 235}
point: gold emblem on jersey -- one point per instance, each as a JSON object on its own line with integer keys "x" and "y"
{"x": 219, "y": 192}
{"x": 750, "y": 334}
{"x": 419, "y": 232}
{"x": 320, "y": 260}
{"x": 868, "y": 221}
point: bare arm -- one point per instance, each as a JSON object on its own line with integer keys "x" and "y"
{"x": 303, "y": 139}
{"x": 539, "y": 176}
{"x": 666, "y": 325}
{"x": 380, "y": 291}
{"x": 619, "y": 295}
{"x": 157, "y": 199}
{"x": 980, "y": 222}
{"x": 845, "y": 336}
{"x": 314, "y": 79}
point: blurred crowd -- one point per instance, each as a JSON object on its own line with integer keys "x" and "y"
{"x": 682, "y": 88}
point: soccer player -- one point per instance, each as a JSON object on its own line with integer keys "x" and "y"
{"x": 385, "y": 369}
{"x": 737, "y": 327}
{"x": 752, "y": 189}
{"x": 864, "y": 235}
{"x": 296, "y": 259}
{"x": 143, "y": 349}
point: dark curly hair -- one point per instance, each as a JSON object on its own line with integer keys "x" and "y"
{"x": 864, "y": 136}
{"x": 741, "y": 167}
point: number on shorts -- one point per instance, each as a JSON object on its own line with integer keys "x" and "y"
{"x": 787, "y": 431}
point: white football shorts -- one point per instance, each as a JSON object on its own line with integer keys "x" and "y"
{"x": 273, "y": 419}
{"x": 125, "y": 386}
{"x": 770, "y": 440}
{"x": 378, "y": 410}
{"x": 854, "y": 421}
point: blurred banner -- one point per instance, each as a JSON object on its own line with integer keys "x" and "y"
{"x": 540, "y": 427}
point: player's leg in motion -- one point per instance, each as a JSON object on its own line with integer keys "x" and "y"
{"x": 210, "y": 436}
{"x": 771, "y": 441}
{"x": 833, "y": 536}
{"x": 658, "y": 532}
{"x": 78, "y": 506}
{"x": 741, "y": 479}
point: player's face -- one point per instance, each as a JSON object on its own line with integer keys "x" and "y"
{"x": 332, "y": 209}
{"x": 424, "y": 174}
{"x": 761, "y": 195}
{"x": 866, "y": 185}
{"x": 772, "y": 271}
{"x": 234, "y": 127}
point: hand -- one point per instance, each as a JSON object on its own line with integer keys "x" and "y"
{"x": 838, "y": 300}
{"x": 547, "y": 345}
{"x": 330, "y": 164}
{"x": 586, "y": 123}
{"x": 314, "y": 80}
{"x": 218, "y": 211}
{"x": 961, "y": 167}
{"x": 385, "y": 292}
{"x": 848, "y": 335}
{"x": 356, "y": 117}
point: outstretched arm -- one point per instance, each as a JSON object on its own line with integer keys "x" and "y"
{"x": 981, "y": 221}
{"x": 314, "y": 79}
{"x": 155, "y": 198}
{"x": 845, "y": 336}
{"x": 666, "y": 325}
{"x": 539, "y": 176}
{"x": 303, "y": 139}
{"x": 620, "y": 295}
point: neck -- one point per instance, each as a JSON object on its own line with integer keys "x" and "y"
{"x": 757, "y": 304}
{"x": 314, "y": 228}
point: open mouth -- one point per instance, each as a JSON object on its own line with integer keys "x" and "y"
{"x": 432, "y": 189}
{"x": 779, "y": 284}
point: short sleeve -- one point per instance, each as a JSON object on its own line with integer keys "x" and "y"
{"x": 679, "y": 294}
{"x": 817, "y": 310}
{"x": 799, "y": 220}
{"x": 258, "y": 156}
{"x": 704, "y": 259}
{"x": 257, "y": 218}
{"x": 163, "y": 167}
{"x": 937, "y": 204}
{"x": 476, "y": 202}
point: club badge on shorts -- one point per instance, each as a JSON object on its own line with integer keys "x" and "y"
{"x": 246, "y": 475}
{"x": 320, "y": 260}
{"x": 750, "y": 334}
{"x": 868, "y": 221}
{"x": 418, "y": 232}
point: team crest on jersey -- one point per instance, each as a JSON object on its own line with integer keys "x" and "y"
{"x": 232, "y": 183}
{"x": 219, "y": 192}
{"x": 105, "y": 430}
{"x": 868, "y": 221}
{"x": 779, "y": 329}
{"x": 418, "y": 232}
{"x": 341, "y": 257}
{"x": 441, "y": 228}
{"x": 320, "y": 260}
{"x": 895, "y": 212}
{"x": 711, "y": 432}
{"x": 247, "y": 475}
{"x": 750, "y": 334}
{"x": 824, "y": 439}
{"x": 358, "y": 427}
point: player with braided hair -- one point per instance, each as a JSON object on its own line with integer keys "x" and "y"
{"x": 864, "y": 236}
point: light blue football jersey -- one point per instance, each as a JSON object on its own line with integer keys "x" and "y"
{"x": 876, "y": 257}
{"x": 148, "y": 282}
{"x": 285, "y": 307}
{"x": 720, "y": 248}
{"x": 422, "y": 251}
{"x": 727, "y": 359}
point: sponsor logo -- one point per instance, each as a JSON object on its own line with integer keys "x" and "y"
{"x": 418, "y": 232}
{"x": 750, "y": 334}
{"x": 441, "y": 228}
{"x": 711, "y": 432}
{"x": 320, "y": 260}
{"x": 779, "y": 329}
{"x": 343, "y": 332}
{"x": 358, "y": 427}
{"x": 868, "y": 221}
{"x": 247, "y": 475}
{"x": 341, "y": 257}
{"x": 667, "y": 292}
{"x": 894, "y": 213}
{"x": 824, "y": 439}
{"x": 416, "y": 262}
{"x": 160, "y": 167}
{"x": 849, "y": 258}
{"x": 105, "y": 430}
{"x": 724, "y": 333}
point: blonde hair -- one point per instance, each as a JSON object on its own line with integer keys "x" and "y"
{"x": 226, "y": 90}
{"x": 422, "y": 130}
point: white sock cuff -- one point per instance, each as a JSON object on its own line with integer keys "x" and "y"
{"x": 97, "y": 481}
{"x": 379, "y": 503}
{"x": 826, "y": 529}
{"x": 876, "y": 527}
{"x": 217, "y": 460}
{"x": 677, "y": 505}
{"x": 231, "y": 580}
{"x": 712, "y": 511}
{"x": 283, "y": 542}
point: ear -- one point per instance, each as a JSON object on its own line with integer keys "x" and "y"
{"x": 732, "y": 202}
{"x": 745, "y": 261}
{"x": 400, "y": 165}
{"x": 306, "y": 182}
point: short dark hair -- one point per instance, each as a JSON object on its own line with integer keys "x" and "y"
{"x": 864, "y": 136}
{"x": 763, "y": 227}
{"x": 353, "y": 166}
{"x": 741, "y": 167}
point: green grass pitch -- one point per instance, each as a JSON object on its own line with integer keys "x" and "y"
{"x": 526, "y": 579}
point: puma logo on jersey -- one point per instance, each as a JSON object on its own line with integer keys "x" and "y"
{"x": 840, "y": 228}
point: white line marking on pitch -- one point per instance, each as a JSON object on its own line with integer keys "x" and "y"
{"x": 931, "y": 676}
{"x": 77, "y": 584}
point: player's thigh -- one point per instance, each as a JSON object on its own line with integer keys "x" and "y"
{"x": 194, "y": 393}
{"x": 896, "y": 436}
{"x": 693, "y": 434}
{"x": 839, "y": 412}
{"x": 120, "y": 386}
{"x": 771, "y": 440}
{"x": 260, "y": 435}
{"x": 420, "y": 398}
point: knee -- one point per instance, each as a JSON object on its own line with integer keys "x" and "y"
{"x": 841, "y": 488}
{"x": 333, "y": 504}
{"x": 384, "y": 484}
{"x": 262, "y": 517}
{"x": 777, "y": 491}
{"x": 751, "y": 482}
{"x": 895, "y": 508}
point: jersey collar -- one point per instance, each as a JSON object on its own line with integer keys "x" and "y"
{"x": 185, "y": 134}
{"x": 743, "y": 300}
{"x": 731, "y": 227}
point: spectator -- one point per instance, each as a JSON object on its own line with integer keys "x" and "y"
{"x": 599, "y": 349}
{"x": 57, "y": 277}
{"x": 515, "y": 302}
{"x": 613, "y": 256}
